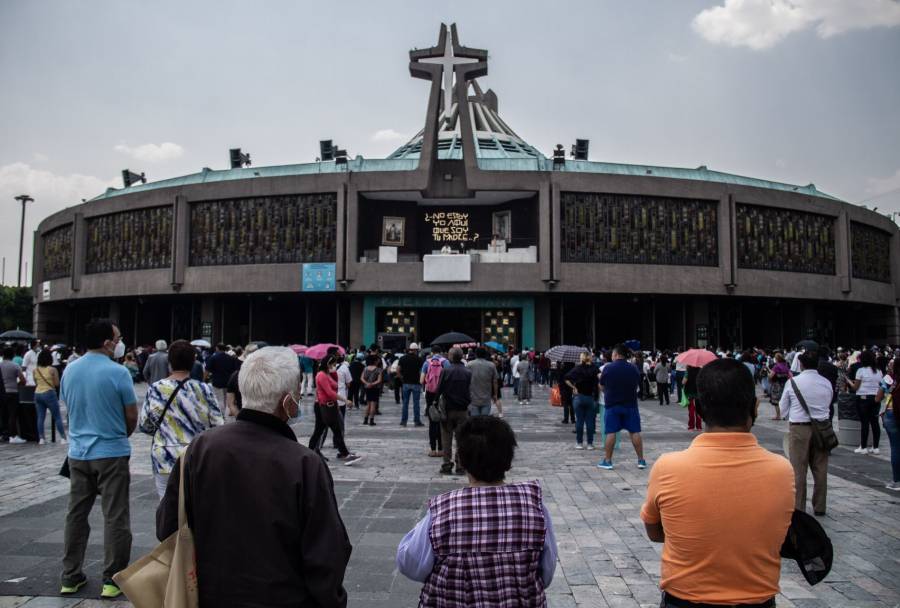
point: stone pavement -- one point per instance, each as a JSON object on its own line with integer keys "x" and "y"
{"x": 605, "y": 558}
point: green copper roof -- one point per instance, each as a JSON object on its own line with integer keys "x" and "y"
{"x": 538, "y": 163}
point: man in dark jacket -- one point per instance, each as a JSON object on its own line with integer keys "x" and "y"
{"x": 260, "y": 505}
{"x": 454, "y": 389}
{"x": 829, "y": 371}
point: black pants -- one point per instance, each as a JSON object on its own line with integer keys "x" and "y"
{"x": 434, "y": 426}
{"x": 679, "y": 380}
{"x": 662, "y": 388}
{"x": 328, "y": 418}
{"x": 334, "y": 443}
{"x": 568, "y": 410}
{"x": 868, "y": 417}
{"x": 353, "y": 390}
{"x": 10, "y": 415}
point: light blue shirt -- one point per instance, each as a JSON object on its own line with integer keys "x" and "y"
{"x": 415, "y": 555}
{"x": 96, "y": 390}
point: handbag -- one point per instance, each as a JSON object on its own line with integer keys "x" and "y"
{"x": 437, "y": 411}
{"x": 808, "y": 544}
{"x": 555, "y": 397}
{"x": 823, "y": 434}
{"x": 150, "y": 426}
{"x": 167, "y": 576}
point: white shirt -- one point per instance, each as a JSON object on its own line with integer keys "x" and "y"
{"x": 795, "y": 364}
{"x": 869, "y": 381}
{"x": 29, "y": 364}
{"x": 816, "y": 391}
{"x": 514, "y": 363}
{"x": 344, "y": 378}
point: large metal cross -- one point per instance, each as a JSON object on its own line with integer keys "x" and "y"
{"x": 447, "y": 61}
{"x": 445, "y": 56}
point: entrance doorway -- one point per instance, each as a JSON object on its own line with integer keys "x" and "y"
{"x": 436, "y": 321}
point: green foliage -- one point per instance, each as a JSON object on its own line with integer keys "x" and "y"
{"x": 15, "y": 308}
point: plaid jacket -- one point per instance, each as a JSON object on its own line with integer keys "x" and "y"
{"x": 487, "y": 543}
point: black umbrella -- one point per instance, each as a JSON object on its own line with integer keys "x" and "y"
{"x": 454, "y": 337}
{"x": 810, "y": 346}
{"x": 16, "y": 334}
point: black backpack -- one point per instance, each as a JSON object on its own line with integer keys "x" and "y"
{"x": 808, "y": 544}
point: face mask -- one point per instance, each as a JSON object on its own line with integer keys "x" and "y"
{"x": 119, "y": 351}
{"x": 287, "y": 412}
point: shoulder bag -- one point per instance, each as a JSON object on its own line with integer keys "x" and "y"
{"x": 151, "y": 427}
{"x": 167, "y": 576}
{"x": 823, "y": 434}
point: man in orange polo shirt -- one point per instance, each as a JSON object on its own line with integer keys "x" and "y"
{"x": 723, "y": 506}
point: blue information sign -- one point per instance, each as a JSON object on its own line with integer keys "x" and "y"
{"x": 318, "y": 277}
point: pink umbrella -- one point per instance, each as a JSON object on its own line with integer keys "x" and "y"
{"x": 696, "y": 357}
{"x": 319, "y": 351}
{"x": 298, "y": 348}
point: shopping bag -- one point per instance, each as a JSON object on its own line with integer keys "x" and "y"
{"x": 555, "y": 397}
{"x": 167, "y": 576}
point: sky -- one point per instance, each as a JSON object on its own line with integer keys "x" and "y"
{"x": 798, "y": 91}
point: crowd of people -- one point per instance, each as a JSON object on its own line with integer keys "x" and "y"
{"x": 488, "y": 543}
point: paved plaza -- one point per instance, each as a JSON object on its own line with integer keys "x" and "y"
{"x": 605, "y": 558}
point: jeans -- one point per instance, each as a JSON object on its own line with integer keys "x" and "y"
{"x": 48, "y": 401}
{"x": 662, "y": 390}
{"x": 416, "y": 391}
{"x": 110, "y": 479}
{"x": 480, "y": 410}
{"x": 585, "y": 415}
{"x": 868, "y": 418}
{"x": 679, "y": 384}
{"x": 890, "y": 427}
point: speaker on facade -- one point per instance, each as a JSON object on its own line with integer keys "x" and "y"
{"x": 326, "y": 150}
{"x": 238, "y": 159}
{"x": 580, "y": 149}
{"x": 132, "y": 178}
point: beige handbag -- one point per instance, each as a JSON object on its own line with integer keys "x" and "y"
{"x": 167, "y": 576}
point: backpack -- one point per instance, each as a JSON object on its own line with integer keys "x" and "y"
{"x": 433, "y": 375}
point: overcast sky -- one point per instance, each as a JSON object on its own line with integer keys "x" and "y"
{"x": 797, "y": 91}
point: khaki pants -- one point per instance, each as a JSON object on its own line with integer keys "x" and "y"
{"x": 110, "y": 478}
{"x": 804, "y": 455}
{"x": 448, "y": 431}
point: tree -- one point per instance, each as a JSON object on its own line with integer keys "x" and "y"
{"x": 15, "y": 308}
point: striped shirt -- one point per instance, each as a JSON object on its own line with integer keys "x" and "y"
{"x": 194, "y": 410}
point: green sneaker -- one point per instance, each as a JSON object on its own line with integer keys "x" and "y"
{"x": 110, "y": 591}
{"x": 70, "y": 589}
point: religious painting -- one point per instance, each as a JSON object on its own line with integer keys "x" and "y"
{"x": 769, "y": 238}
{"x": 870, "y": 253}
{"x": 501, "y": 225}
{"x": 634, "y": 229}
{"x": 393, "y": 231}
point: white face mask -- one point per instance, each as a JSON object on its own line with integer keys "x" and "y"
{"x": 119, "y": 351}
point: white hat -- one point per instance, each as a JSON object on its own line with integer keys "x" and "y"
{"x": 413, "y": 346}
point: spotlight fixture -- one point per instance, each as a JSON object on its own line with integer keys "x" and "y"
{"x": 238, "y": 158}
{"x": 340, "y": 156}
{"x": 132, "y": 178}
{"x": 559, "y": 156}
{"x": 326, "y": 150}
{"x": 580, "y": 149}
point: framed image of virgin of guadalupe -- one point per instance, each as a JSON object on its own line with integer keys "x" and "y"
{"x": 393, "y": 231}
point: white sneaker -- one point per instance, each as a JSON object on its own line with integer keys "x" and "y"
{"x": 860, "y": 450}
{"x": 893, "y": 485}
{"x": 64, "y": 441}
{"x": 578, "y": 446}
{"x": 875, "y": 451}
{"x": 40, "y": 442}
{"x": 17, "y": 439}
{"x": 590, "y": 446}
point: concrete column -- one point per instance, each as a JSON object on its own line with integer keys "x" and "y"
{"x": 727, "y": 240}
{"x": 351, "y": 246}
{"x": 79, "y": 249}
{"x": 842, "y": 257}
{"x": 37, "y": 265}
{"x": 341, "y": 240}
{"x": 542, "y": 322}
{"x": 556, "y": 227}
{"x": 181, "y": 239}
{"x": 208, "y": 315}
{"x": 545, "y": 231}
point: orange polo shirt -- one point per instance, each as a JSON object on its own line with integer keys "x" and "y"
{"x": 725, "y": 504}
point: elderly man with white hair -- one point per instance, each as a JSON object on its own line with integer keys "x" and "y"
{"x": 279, "y": 540}
{"x": 157, "y": 366}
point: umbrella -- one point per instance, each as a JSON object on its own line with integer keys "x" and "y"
{"x": 454, "y": 337}
{"x": 496, "y": 346}
{"x": 319, "y": 351}
{"x": 201, "y": 343}
{"x": 696, "y": 357}
{"x": 16, "y": 334}
{"x": 633, "y": 344}
{"x": 299, "y": 348}
{"x": 566, "y": 354}
{"x": 807, "y": 345}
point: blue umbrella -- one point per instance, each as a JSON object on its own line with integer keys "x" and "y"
{"x": 496, "y": 346}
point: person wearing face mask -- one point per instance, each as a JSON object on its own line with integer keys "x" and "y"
{"x": 102, "y": 411}
{"x": 281, "y": 540}
{"x": 176, "y": 409}
{"x": 328, "y": 416}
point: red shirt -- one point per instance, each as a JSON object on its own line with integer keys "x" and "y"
{"x": 326, "y": 388}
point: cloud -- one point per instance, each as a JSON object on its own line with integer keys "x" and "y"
{"x": 40, "y": 157}
{"x": 51, "y": 192}
{"x": 780, "y": 163}
{"x": 878, "y": 185}
{"x": 676, "y": 57}
{"x": 761, "y": 24}
{"x": 388, "y": 135}
{"x": 152, "y": 153}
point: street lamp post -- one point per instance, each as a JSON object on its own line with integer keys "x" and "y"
{"x": 24, "y": 198}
